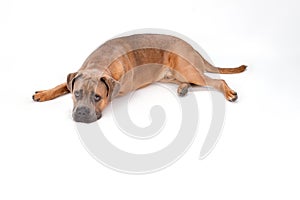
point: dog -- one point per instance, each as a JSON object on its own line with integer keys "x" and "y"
{"x": 128, "y": 63}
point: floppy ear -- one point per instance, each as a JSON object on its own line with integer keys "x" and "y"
{"x": 113, "y": 86}
{"x": 70, "y": 80}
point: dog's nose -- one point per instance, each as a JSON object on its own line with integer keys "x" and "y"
{"x": 82, "y": 112}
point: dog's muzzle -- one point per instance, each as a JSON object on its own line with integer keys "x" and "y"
{"x": 85, "y": 114}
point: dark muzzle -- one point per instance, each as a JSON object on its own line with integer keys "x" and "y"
{"x": 84, "y": 114}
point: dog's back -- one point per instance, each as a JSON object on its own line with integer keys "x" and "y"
{"x": 117, "y": 47}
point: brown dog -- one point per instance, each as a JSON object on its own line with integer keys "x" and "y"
{"x": 127, "y": 63}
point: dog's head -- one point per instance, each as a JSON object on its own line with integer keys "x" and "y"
{"x": 91, "y": 92}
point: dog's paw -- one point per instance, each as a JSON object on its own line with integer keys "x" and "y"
{"x": 40, "y": 96}
{"x": 183, "y": 89}
{"x": 231, "y": 95}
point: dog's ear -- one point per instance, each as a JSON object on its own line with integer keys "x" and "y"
{"x": 70, "y": 80}
{"x": 112, "y": 85}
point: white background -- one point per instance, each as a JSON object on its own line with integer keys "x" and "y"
{"x": 257, "y": 156}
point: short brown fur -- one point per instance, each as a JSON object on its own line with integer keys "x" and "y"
{"x": 125, "y": 64}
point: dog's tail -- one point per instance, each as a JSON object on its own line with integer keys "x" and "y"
{"x": 210, "y": 68}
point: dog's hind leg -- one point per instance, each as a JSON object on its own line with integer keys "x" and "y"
{"x": 45, "y": 95}
{"x": 189, "y": 74}
{"x": 183, "y": 87}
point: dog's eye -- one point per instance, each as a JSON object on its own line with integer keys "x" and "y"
{"x": 97, "y": 97}
{"x": 77, "y": 94}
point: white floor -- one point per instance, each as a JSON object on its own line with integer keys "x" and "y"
{"x": 257, "y": 156}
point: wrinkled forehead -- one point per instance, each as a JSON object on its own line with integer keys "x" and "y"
{"x": 89, "y": 84}
{"x": 86, "y": 83}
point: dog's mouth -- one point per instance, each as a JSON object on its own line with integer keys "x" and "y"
{"x": 86, "y": 119}
{"x": 85, "y": 115}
